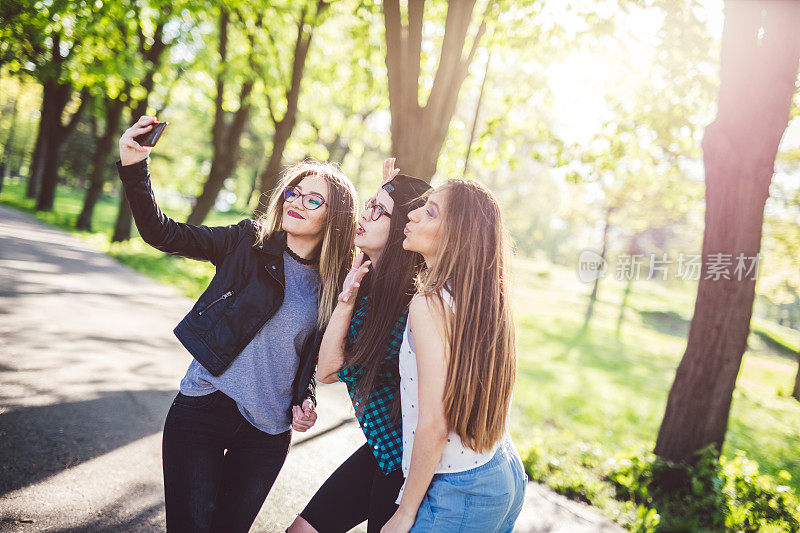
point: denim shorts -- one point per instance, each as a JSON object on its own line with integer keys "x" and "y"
{"x": 485, "y": 499}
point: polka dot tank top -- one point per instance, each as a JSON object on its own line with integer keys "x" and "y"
{"x": 456, "y": 457}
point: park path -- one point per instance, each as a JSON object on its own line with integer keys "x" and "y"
{"x": 88, "y": 369}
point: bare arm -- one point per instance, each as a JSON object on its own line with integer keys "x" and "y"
{"x": 331, "y": 351}
{"x": 428, "y": 327}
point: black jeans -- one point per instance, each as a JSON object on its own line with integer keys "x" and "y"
{"x": 218, "y": 468}
{"x": 355, "y": 492}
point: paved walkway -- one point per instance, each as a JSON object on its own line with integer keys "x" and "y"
{"x": 88, "y": 368}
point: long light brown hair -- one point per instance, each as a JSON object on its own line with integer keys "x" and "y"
{"x": 337, "y": 249}
{"x": 472, "y": 265}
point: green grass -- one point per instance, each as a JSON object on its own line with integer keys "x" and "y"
{"x": 582, "y": 401}
{"x": 585, "y": 401}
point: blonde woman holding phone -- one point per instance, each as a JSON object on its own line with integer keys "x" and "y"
{"x": 254, "y": 335}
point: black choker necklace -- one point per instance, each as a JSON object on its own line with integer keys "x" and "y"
{"x": 307, "y": 262}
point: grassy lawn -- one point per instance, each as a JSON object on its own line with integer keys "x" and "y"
{"x": 583, "y": 402}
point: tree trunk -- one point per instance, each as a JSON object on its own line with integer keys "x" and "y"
{"x": 269, "y": 178}
{"x": 226, "y": 137}
{"x": 9, "y": 142}
{"x": 418, "y": 132}
{"x": 123, "y": 225}
{"x": 593, "y": 297}
{"x": 796, "y": 390}
{"x": 103, "y": 147}
{"x": 152, "y": 55}
{"x": 49, "y": 175}
{"x": 739, "y": 148}
{"x": 55, "y": 98}
{"x": 285, "y": 126}
{"x": 623, "y": 305}
{"x": 32, "y": 188}
{"x": 477, "y": 114}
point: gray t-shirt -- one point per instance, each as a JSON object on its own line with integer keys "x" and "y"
{"x": 260, "y": 379}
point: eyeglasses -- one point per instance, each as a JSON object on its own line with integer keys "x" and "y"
{"x": 376, "y": 210}
{"x": 310, "y": 200}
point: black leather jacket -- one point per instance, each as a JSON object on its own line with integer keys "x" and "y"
{"x": 247, "y": 288}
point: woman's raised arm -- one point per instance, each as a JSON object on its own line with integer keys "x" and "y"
{"x": 331, "y": 351}
{"x": 157, "y": 229}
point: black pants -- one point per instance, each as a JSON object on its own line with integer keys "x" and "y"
{"x": 218, "y": 468}
{"x": 355, "y": 492}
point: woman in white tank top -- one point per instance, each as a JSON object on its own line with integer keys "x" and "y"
{"x": 457, "y": 369}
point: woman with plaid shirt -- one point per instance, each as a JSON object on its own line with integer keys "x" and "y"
{"x": 360, "y": 348}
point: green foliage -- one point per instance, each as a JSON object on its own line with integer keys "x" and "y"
{"x": 710, "y": 495}
{"x": 647, "y": 494}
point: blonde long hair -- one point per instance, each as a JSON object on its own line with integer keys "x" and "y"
{"x": 472, "y": 265}
{"x": 337, "y": 248}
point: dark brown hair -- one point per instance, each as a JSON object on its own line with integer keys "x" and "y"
{"x": 389, "y": 286}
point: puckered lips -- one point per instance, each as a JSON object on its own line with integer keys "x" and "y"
{"x": 295, "y": 214}
{"x": 360, "y": 230}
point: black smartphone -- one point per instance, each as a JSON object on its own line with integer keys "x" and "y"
{"x": 151, "y": 137}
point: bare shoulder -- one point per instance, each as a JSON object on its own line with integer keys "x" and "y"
{"x": 427, "y": 314}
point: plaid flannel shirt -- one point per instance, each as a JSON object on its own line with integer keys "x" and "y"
{"x": 385, "y": 437}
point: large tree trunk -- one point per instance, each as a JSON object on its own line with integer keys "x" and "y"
{"x": 55, "y": 98}
{"x": 103, "y": 147}
{"x": 226, "y": 137}
{"x": 285, "y": 126}
{"x": 739, "y": 148}
{"x": 418, "y": 131}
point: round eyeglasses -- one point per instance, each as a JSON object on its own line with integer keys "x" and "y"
{"x": 310, "y": 200}
{"x": 376, "y": 210}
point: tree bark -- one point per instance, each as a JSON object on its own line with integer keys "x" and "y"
{"x": 55, "y": 97}
{"x": 418, "y": 131}
{"x": 739, "y": 148}
{"x": 32, "y": 188}
{"x": 226, "y": 136}
{"x": 796, "y": 390}
{"x": 103, "y": 147}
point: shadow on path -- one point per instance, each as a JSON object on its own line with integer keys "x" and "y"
{"x": 38, "y": 442}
